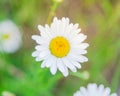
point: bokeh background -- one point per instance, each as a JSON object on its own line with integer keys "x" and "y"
{"x": 21, "y": 75}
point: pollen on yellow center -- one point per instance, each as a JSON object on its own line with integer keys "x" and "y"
{"x": 59, "y": 46}
{"x": 5, "y": 36}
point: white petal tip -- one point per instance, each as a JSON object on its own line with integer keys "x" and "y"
{"x": 87, "y": 45}
{"x": 79, "y": 67}
{"x": 55, "y": 19}
{"x": 42, "y": 66}
{"x": 114, "y": 94}
{"x": 33, "y": 55}
{"x": 39, "y": 26}
{"x": 53, "y": 73}
{"x": 86, "y": 59}
{"x": 33, "y": 37}
{"x": 37, "y": 59}
{"x": 74, "y": 70}
{"x": 65, "y": 75}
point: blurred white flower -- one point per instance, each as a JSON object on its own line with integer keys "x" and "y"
{"x": 6, "y": 93}
{"x": 10, "y": 37}
{"x": 94, "y": 90}
{"x": 60, "y": 46}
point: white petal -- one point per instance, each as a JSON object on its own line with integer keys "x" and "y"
{"x": 42, "y": 56}
{"x": 36, "y": 53}
{"x": 43, "y": 32}
{"x": 101, "y": 88}
{"x": 55, "y": 19}
{"x": 65, "y": 73}
{"x": 62, "y": 67}
{"x": 40, "y": 40}
{"x": 68, "y": 64}
{"x": 43, "y": 64}
{"x": 78, "y": 39}
{"x": 50, "y": 61}
{"x": 44, "y": 53}
{"x": 41, "y": 47}
{"x": 106, "y": 91}
{"x": 81, "y": 46}
{"x": 82, "y": 37}
{"x": 92, "y": 88}
{"x": 49, "y": 32}
{"x": 67, "y": 31}
{"x": 84, "y": 45}
{"x": 41, "y": 28}
{"x": 56, "y": 26}
{"x": 39, "y": 59}
{"x": 62, "y": 27}
{"x": 35, "y": 37}
{"x": 114, "y": 94}
{"x": 78, "y": 58}
{"x": 53, "y": 68}
{"x": 77, "y": 51}
{"x": 75, "y": 63}
{"x": 83, "y": 91}
{"x": 73, "y": 29}
{"x": 78, "y": 31}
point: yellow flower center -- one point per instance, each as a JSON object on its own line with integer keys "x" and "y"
{"x": 5, "y": 36}
{"x": 59, "y": 46}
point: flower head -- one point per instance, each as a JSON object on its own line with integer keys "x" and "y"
{"x": 6, "y": 93}
{"x": 10, "y": 37}
{"x": 94, "y": 90}
{"x": 60, "y": 46}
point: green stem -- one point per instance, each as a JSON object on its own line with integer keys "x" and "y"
{"x": 116, "y": 78}
{"x": 52, "y": 11}
{"x": 83, "y": 75}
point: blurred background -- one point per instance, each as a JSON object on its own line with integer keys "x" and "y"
{"x": 21, "y": 75}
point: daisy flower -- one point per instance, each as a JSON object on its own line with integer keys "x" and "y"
{"x": 6, "y": 93}
{"x": 60, "y": 46}
{"x": 10, "y": 37}
{"x": 94, "y": 90}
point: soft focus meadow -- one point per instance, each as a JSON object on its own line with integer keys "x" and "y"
{"x": 21, "y": 75}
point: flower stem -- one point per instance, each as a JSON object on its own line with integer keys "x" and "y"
{"x": 52, "y": 11}
{"x": 83, "y": 75}
{"x": 116, "y": 77}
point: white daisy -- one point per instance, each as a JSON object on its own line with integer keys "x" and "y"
{"x": 60, "y": 46}
{"x": 7, "y": 93}
{"x": 94, "y": 90}
{"x": 10, "y": 37}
